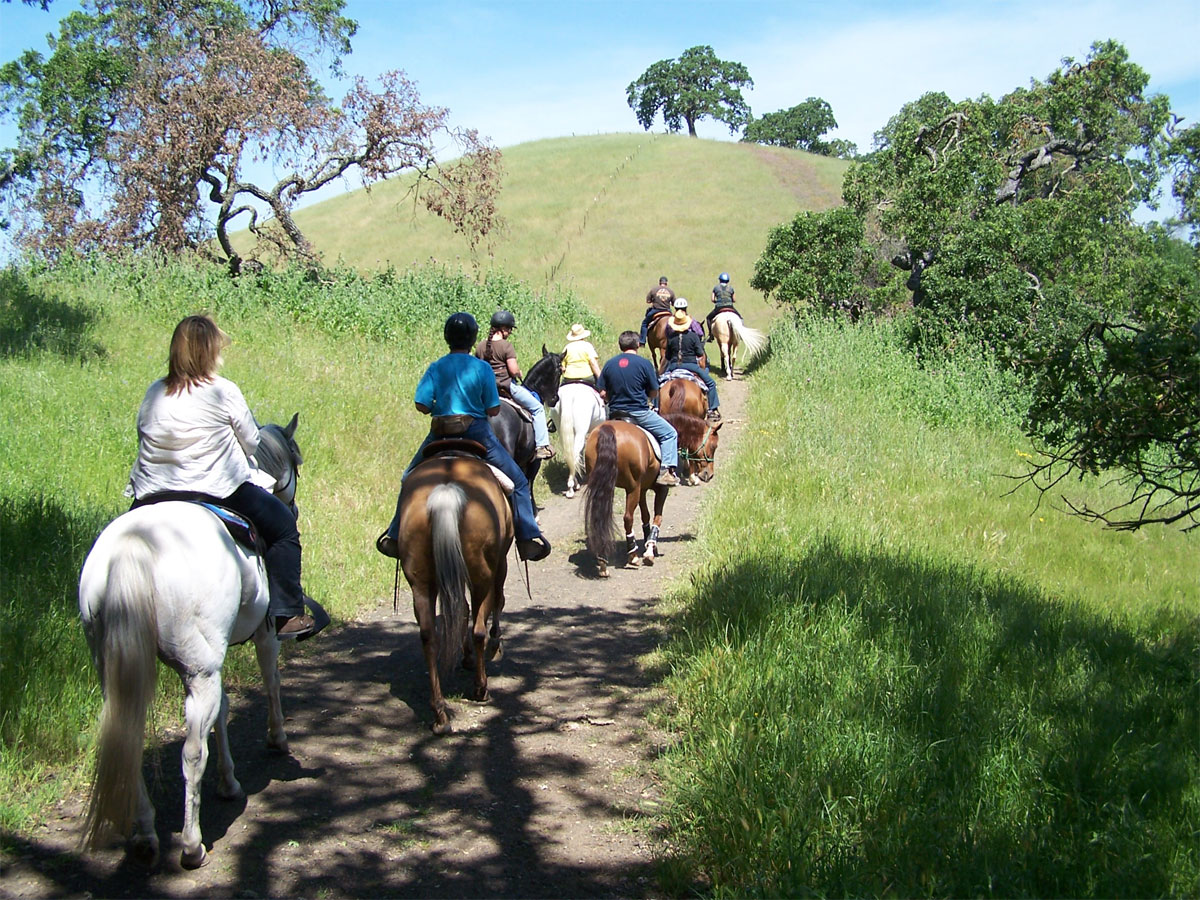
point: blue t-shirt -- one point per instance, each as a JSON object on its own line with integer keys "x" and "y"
{"x": 458, "y": 384}
{"x": 629, "y": 380}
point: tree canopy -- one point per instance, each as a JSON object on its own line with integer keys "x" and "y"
{"x": 1009, "y": 225}
{"x": 688, "y": 89}
{"x": 139, "y": 127}
{"x": 800, "y": 128}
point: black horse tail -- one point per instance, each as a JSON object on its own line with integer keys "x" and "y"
{"x": 602, "y": 483}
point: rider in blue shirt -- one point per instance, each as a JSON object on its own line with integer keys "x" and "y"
{"x": 459, "y": 384}
{"x": 629, "y": 384}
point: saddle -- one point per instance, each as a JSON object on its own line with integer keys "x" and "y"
{"x": 658, "y": 315}
{"x": 241, "y": 529}
{"x": 526, "y": 415}
{"x": 467, "y": 447}
{"x": 619, "y": 416}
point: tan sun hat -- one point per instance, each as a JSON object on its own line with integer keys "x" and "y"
{"x": 578, "y": 333}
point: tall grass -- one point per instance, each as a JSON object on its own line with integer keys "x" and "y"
{"x": 893, "y": 680}
{"x": 80, "y": 343}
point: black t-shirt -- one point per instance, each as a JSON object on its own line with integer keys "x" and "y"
{"x": 684, "y": 346}
{"x": 628, "y": 380}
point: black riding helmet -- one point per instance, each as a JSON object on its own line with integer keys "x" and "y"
{"x": 502, "y": 318}
{"x": 460, "y": 331}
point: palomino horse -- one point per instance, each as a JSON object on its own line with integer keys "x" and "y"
{"x": 618, "y": 454}
{"x": 730, "y": 331}
{"x": 579, "y": 410}
{"x": 698, "y": 440}
{"x": 455, "y": 530}
{"x": 168, "y": 579}
{"x": 513, "y": 432}
{"x": 683, "y": 394}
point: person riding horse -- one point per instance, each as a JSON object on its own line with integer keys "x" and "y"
{"x": 629, "y": 384}
{"x": 498, "y": 352}
{"x": 722, "y": 298}
{"x": 580, "y": 362}
{"x": 685, "y": 351}
{"x": 459, "y": 392}
{"x": 658, "y": 301}
{"x": 196, "y": 435}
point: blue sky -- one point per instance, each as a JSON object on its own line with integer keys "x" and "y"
{"x": 527, "y": 69}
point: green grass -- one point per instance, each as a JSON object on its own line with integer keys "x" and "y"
{"x": 79, "y": 344}
{"x": 891, "y": 679}
{"x": 604, "y": 215}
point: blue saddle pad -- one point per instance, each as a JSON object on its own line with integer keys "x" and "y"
{"x": 239, "y": 528}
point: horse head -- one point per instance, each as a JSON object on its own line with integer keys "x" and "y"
{"x": 279, "y": 456}
{"x": 544, "y": 376}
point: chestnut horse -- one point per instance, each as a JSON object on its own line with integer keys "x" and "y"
{"x": 618, "y": 454}
{"x": 698, "y": 440}
{"x": 683, "y": 395}
{"x": 455, "y": 530}
{"x": 656, "y": 340}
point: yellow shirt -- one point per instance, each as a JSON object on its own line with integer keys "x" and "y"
{"x": 575, "y": 359}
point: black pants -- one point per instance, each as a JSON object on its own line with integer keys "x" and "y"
{"x": 275, "y": 525}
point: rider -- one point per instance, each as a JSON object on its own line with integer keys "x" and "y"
{"x": 196, "y": 436}
{"x": 658, "y": 300}
{"x": 685, "y": 351}
{"x": 722, "y": 298}
{"x": 459, "y": 387}
{"x": 580, "y": 362}
{"x": 500, "y": 355}
{"x": 628, "y": 383}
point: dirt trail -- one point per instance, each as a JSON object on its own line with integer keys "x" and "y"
{"x": 540, "y": 793}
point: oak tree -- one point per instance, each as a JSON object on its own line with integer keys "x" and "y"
{"x": 687, "y": 89}
{"x": 800, "y": 128}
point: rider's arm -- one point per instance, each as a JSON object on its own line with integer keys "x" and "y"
{"x": 423, "y": 409}
{"x": 595, "y": 367}
{"x": 494, "y": 410}
{"x": 514, "y": 368}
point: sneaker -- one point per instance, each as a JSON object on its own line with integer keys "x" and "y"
{"x": 666, "y": 478}
{"x": 289, "y": 627}
{"x": 387, "y": 545}
{"x": 544, "y": 452}
{"x": 533, "y": 549}
{"x": 714, "y": 415}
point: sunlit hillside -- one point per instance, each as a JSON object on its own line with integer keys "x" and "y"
{"x": 605, "y": 215}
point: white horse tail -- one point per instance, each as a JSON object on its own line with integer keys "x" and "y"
{"x": 754, "y": 340}
{"x": 125, "y": 640}
{"x": 445, "y": 506}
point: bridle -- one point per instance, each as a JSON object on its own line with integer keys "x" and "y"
{"x": 698, "y": 456}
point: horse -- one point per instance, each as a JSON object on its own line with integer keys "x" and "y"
{"x": 168, "y": 579}
{"x": 513, "y": 432}
{"x": 729, "y": 331}
{"x": 579, "y": 410}
{"x": 656, "y": 340}
{"x": 455, "y": 531}
{"x": 682, "y": 394}
{"x": 698, "y": 440}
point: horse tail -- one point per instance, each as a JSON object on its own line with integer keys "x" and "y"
{"x": 445, "y": 507}
{"x": 566, "y": 425}
{"x": 752, "y": 339}
{"x": 126, "y": 645}
{"x": 602, "y": 484}
{"x": 675, "y": 397}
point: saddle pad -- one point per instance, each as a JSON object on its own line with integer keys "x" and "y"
{"x": 521, "y": 411}
{"x": 239, "y": 528}
{"x": 504, "y": 481}
{"x": 684, "y": 374}
{"x": 654, "y": 447}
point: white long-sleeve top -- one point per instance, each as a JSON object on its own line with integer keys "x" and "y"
{"x": 197, "y": 440}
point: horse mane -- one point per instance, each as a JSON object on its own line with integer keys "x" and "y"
{"x": 275, "y": 453}
{"x": 690, "y": 429}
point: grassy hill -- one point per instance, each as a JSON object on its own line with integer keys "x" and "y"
{"x": 604, "y": 216}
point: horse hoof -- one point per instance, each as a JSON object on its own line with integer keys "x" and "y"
{"x": 495, "y": 651}
{"x": 194, "y": 859}
{"x": 280, "y": 746}
{"x": 483, "y": 696}
{"x": 143, "y": 850}
{"x": 570, "y": 495}
{"x": 231, "y": 792}
{"x": 648, "y": 558}
{"x": 442, "y": 727}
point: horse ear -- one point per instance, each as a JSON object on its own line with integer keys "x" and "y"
{"x": 545, "y": 352}
{"x": 291, "y": 426}
{"x": 717, "y": 427}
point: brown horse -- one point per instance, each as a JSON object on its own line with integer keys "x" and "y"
{"x": 683, "y": 395}
{"x": 618, "y": 454}
{"x": 455, "y": 530}
{"x": 656, "y": 340}
{"x": 729, "y": 331}
{"x": 698, "y": 440}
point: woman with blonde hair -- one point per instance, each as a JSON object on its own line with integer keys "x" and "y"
{"x": 196, "y": 437}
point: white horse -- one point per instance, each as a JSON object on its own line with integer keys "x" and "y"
{"x": 729, "y": 330}
{"x": 167, "y": 580}
{"x": 578, "y": 411}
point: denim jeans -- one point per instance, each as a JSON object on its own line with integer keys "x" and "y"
{"x": 695, "y": 369}
{"x": 668, "y": 440}
{"x": 528, "y": 400}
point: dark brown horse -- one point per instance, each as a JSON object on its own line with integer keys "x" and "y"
{"x": 698, "y": 440}
{"x": 455, "y": 530}
{"x": 618, "y": 455}
{"x": 683, "y": 395}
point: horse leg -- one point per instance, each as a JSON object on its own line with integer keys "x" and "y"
{"x": 201, "y": 708}
{"x": 266, "y": 649}
{"x": 228, "y": 789}
{"x": 423, "y": 608}
{"x": 632, "y": 500}
{"x": 143, "y": 844}
{"x": 481, "y": 601}
{"x": 649, "y": 532}
{"x": 495, "y": 650}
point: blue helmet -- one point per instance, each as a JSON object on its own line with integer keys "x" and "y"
{"x": 460, "y": 331}
{"x": 724, "y": 278}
